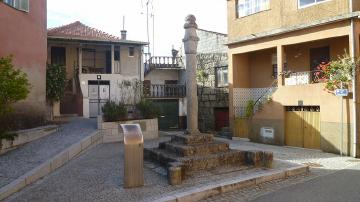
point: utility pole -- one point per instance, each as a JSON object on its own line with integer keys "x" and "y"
{"x": 147, "y": 24}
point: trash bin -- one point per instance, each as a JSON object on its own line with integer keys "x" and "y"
{"x": 133, "y": 155}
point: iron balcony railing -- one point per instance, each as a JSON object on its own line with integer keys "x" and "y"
{"x": 164, "y": 91}
{"x": 303, "y": 78}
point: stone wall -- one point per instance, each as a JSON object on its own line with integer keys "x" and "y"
{"x": 209, "y": 99}
{"x": 112, "y": 131}
{"x": 211, "y": 42}
{"x": 212, "y": 53}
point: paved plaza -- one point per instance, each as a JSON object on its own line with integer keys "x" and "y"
{"x": 97, "y": 176}
{"x": 23, "y": 159}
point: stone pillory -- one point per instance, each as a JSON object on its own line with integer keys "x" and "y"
{"x": 190, "y": 45}
{"x": 185, "y": 154}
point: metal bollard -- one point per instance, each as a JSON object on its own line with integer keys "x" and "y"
{"x": 133, "y": 156}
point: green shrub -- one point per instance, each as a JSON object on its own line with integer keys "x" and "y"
{"x": 249, "y": 108}
{"x": 7, "y": 136}
{"x": 114, "y": 112}
{"x": 148, "y": 109}
{"x": 55, "y": 82}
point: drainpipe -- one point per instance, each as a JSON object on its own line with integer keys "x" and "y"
{"x": 352, "y": 35}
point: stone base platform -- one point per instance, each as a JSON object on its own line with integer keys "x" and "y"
{"x": 186, "y": 154}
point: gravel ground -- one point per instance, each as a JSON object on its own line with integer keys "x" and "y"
{"x": 19, "y": 161}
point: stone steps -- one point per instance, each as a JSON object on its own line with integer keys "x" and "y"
{"x": 212, "y": 161}
{"x": 192, "y": 139}
{"x": 196, "y": 149}
{"x": 184, "y": 154}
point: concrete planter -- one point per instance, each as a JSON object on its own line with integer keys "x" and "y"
{"x": 25, "y": 136}
{"x": 112, "y": 132}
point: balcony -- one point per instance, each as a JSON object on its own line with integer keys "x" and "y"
{"x": 302, "y": 78}
{"x": 163, "y": 63}
{"x": 164, "y": 91}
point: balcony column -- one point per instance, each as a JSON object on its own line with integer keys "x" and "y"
{"x": 80, "y": 60}
{"x": 280, "y": 64}
{"x": 112, "y": 59}
{"x": 190, "y": 45}
{"x": 354, "y": 51}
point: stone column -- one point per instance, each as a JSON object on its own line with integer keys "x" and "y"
{"x": 190, "y": 45}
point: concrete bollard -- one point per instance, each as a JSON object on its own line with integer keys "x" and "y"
{"x": 133, "y": 156}
{"x": 174, "y": 175}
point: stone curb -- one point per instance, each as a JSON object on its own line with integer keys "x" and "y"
{"x": 50, "y": 165}
{"x": 26, "y": 136}
{"x": 211, "y": 190}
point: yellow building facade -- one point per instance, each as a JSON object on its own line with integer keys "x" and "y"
{"x": 292, "y": 109}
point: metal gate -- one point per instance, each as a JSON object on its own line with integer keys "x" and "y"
{"x": 302, "y": 126}
{"x": 99, "y": 94}
{"x": 169, "y": 114}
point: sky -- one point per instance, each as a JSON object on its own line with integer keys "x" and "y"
{"x": 168, "y": 17}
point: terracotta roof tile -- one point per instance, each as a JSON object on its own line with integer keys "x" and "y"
{"x": 79, "y": 30}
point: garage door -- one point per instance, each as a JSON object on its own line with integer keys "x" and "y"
{"x": 302, "y": 126}
{"x": 169, "y": 114}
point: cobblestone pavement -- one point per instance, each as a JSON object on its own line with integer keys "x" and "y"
{"x": 19, "y": 161}
{"x": 97, "y": 176}
{"x": 320, "y": 164}
{"x": 314, "y": 158}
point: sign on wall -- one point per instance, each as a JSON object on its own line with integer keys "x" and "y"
{"x": 342, "y": 92}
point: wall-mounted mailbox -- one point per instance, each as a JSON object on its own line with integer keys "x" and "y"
{"x": 133, "y": 155}
{"x": 267, "y": 132}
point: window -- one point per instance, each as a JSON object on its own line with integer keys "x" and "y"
{"x": 58, "y": 56}
{"x": 306, "y": 3}
{"x": 18, "y": 4}
{"x": 221, "y": 76}
{"x": 131, "y": 51}
{"x": 248, "y": 7}
{"x": 275, "y": 72}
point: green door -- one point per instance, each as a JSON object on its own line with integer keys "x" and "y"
{"x": 169, "y": 114}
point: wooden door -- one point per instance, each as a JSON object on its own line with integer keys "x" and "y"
{"x": 221, "y": 118}
{"x": 318, "y": 56}
{"x": 311, "y": 129}
{"x": 302, "y": 127}
{"x": 294, "y": 131}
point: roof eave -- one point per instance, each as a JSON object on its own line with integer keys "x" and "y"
{"x": 293, "y": 28}
{"x": 96, "y": 40}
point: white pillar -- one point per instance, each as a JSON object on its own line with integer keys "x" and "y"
{"x": 80, "y": 60}
{"x": 190, "y": 45}
{"x": 112, "y": 59}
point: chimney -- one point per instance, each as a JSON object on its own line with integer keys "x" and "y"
{"x": 123, "y": 31}
{"x": 123, "y": 34}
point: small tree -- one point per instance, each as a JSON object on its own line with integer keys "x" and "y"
{"x": 55, "y": 82}
{"x": 14, "y": 86}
